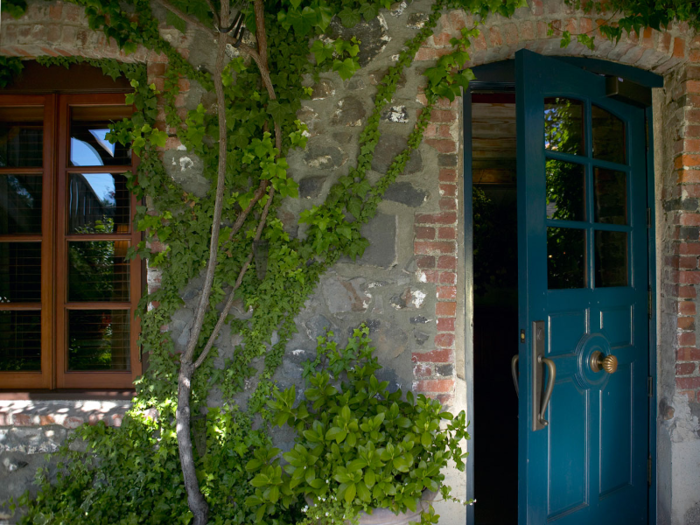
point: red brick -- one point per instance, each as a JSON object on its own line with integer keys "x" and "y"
{"x": 156, "y": 70}
{"x": 495, "y": 37}
{"x": 447, "y": 232}
{"x": 443, "y": 115}
{"x": 435, "y": 385}
{"x": 686, "y": 323}
{"x": 443, "y": 39}
{"x": 73, "y": 422}
{"x": 510, "y": 32}
{"x": 679, "y": 47}
{"x": 527, "y": 30}
{"x": 685, "y": 369}
{"x": 441, "y": 355}
{"x": 428, "y": 247}
{"x": 692, "y": 86}
{"x": 694, "y": 55}
{"x": 690, "y": 277}
{"x": 447, "y": 262}
{"x": 431, "y": 276}
{"x": 437, "y": 131}
{"x": 687, "y": 292}
{"x": 47, "y": 420}
{"x": 445, "y": 399}
{"x": 421, "y": 370}
{"x": 689, "y": 248}
{"x": 688, "y": 354}
{"x": 686, "y": 308}
{"x": 424, "y": 232}
{"x": 447, "y": 292}
{"x": 690, "y": 219}
{"x": 22, "y": 420}
{"x": 688, "y": 262}
{"x": 448, "y": 217}
{"x": 686, "y": 339}
{"x": 445, "y": 340}
{"x": 442, "y": 145}
{"x": 425, "y": 262}
{"x": 686, "y": 161}
{"x": 446, "y": 325}
{"x": 446, "y": 309}
{"x": 686, "y": 382}
{"x": 447, "y": 175}
{"x": 448, "y": 278}
{"x": 448, "y": 190}
{"x": 448, "y": 203}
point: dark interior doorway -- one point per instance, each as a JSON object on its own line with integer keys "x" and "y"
{"x": 495, "y": 307}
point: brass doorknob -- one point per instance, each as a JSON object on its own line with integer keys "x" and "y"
{"x": 600, "y": 361}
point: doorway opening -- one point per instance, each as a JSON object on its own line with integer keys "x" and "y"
{"x": 494, "y": 201}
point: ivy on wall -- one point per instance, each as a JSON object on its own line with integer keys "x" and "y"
{"x": 133, "y": 474}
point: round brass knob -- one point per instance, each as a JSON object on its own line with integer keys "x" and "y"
{"x": 599, "y": 362}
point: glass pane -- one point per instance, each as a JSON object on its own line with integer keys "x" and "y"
{"x": 610, "y": 259}
{"x": 610, "y": 196}
{"x": 566, "y": 191}
{"x": 98, "y": 340}
{"x": 20, "y": 341}
{"x": 98, "y": 203}
{"x": 21, "y": 137}
{"x": 88, "y": 143}
{"x": 20, "y": 272}
{"x": 20, "y": 203}
{"x": 98, "y": 271}
{"x": 563, "y": 125}
{"x": 566, "y": 258}
{"x": 608, "y": 136}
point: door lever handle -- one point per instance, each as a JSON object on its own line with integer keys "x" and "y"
{"x": 550, "y": 387}
{"x": 514, "y": 373}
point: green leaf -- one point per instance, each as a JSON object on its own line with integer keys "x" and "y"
{"x": 369, "y": 11}
{"x": 175, "y": 21}
{"x": 349, "y": 18}
{"x": 350, "y": 493}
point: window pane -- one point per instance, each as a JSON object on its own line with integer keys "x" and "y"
{"x": 21, "y": 137}
{"x": 566, "y": 258}
{"x": 98, "y": 203}
{"x": 20, "y": 341}
{"x": 610, "y": 259}
{"x": 89, "y": 145}
{"x": 20, "y": 203}
{"x": 563, "y": 125}
{"x": 20, "y": 272}
{"x": 566, "y": 191}
{"x": 98, "y": 340}
{"x": 610, "y": 196}
{"x": 98, "y": 271}
{"x": 608, "y": 136}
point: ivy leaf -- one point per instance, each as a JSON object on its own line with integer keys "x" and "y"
{"x": 369, "y": 11}
{"x": 175, "y": 21}
{"x": 349, "y": 18}
{"x": 345, "y": 68}
{"x": 277, "y": 111}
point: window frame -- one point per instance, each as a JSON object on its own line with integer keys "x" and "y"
{"x": 54, "y": 237}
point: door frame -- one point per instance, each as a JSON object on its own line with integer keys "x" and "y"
{"x": 500, "y": 76}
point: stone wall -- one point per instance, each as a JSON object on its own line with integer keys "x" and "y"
{"x": 409, "y": 285}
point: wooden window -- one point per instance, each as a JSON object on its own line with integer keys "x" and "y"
{"x": 68, "y": 293}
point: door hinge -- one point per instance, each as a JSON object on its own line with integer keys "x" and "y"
{"x": 650, "y": 304}
{"x": 648, "y": 217}
{"x": 649, "y": 470}
{"x": 650, "y": 386}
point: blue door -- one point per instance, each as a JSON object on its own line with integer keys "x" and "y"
{"x": 583, "y": 290}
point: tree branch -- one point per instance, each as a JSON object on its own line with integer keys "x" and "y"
{"x": 237, "y": 284}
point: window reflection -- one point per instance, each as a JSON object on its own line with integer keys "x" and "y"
{"x": 98, "y": 271}
{"x": 610, "y": 259}
{"x": 20, "y": 341}
{"x": 608, "y": 136}
{"x": 566, "y": 258}
{"x": 563, "y": 125}
{"x": 98, "y": 340}
{"x": 610, "y": 196}
{"x": 98, "y": 203}
{"x": 20, "y": 203}
{"x": 566, "y": 191}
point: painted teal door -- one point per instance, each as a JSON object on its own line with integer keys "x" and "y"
{"x": 583, "y": 285}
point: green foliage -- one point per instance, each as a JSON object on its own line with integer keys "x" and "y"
{"x": 9, "y": 68}
{"x": 16, "y": 8}
{"x": 358, "y": 445}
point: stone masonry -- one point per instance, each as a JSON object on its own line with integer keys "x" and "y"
{"x": 409, "y": 286}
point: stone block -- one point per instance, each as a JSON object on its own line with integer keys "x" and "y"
{"x": 373, "y": 36}
{"x": 405, "y": 193}
{"x": 390, "y": 145}
{"x": 349, "y": 112}
{"x": 344, "y": 296}
{"x": 311, "y": 187}
{"x": 186, "y": 169}
{"x": 381, "y": 234}
{"x": 324, "y": 157}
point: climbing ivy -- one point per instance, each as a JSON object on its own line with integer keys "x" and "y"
{"x": 132, "y": 474}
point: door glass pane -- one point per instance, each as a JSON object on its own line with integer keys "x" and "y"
{"x": 20, "y": 341}
{"x": 88, "y": 137}
{"x": 98, "y": 203}
{"x": 608, "y": 136}
{"x": 610, "y": 259}
{"x": 566, "y": 191}
{"x": 610, "y": 196}
{"x": 20, "y": 272}
{"x": 566, "y": 258}
{"x": 20, "y": 203}
{"x": 21, "y": 137}
{"x": 563, "y": 125}
{"x": 98, "y": 340}
{"x": 98, "y": 271}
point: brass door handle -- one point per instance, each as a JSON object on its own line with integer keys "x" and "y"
{"x": 514, "y": 373}
{"x": 550, "y": 387}
{"x": 600, "y": 361}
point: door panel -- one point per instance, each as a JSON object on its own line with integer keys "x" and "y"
{"x": 582, "y": 250}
